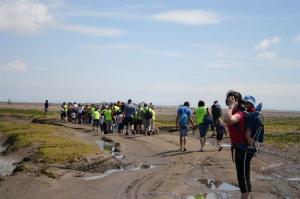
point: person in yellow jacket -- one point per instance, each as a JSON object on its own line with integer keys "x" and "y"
{"x": 108, "y": 119}
{"x": 201, "y": 112}
{"x": 96, "y": 118}
{"x": 153, "y": 121}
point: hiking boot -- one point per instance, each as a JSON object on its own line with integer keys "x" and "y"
{"x": 220, "y": 148}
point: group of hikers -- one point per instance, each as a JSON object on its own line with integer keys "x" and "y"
{"x": 109, "y": 117}
{"x": 242, "y": 118}
{"x": 244, "y": 122}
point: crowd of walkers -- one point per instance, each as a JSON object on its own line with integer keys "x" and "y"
{"x": 124, "y": 118}
{"x": 128, "y": 118}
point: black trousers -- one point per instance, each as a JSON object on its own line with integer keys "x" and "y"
{"x": 242, "y": 164}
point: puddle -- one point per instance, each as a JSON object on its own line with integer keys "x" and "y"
{"x": 210, "y": 196}
{"x": 118, "y": 155}
{"x": 218, "y": 185}
{"x": 293, "y": 179}
{"x": 115, "y": 171}
{"x": 110, "y": 147}
{"x": 105, "y": 174}
{"x": 263, "y": 177}
{"x": 105, "y": 146}
{"x": 227, "y": 146}
{"x": 218, "y": 190}
{"x": 271, "y": 166}
{"x": 144, "y": 166}
{"x": 276, "y": 175}
{"x": 2, "y": 149}
{"x": 6, "y": 167}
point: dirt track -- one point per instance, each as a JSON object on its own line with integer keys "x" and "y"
{"x": 173, "y": 174}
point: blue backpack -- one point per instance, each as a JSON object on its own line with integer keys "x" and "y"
{"x": 255, "y": 121}
{"x": 183, "y": 119}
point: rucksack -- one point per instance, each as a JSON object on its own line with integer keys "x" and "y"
{"x": 255, "y": 121}
{"x": 148, "y": 114}
{"x": 183, "y": 119}
{"x": 216, "y": 110}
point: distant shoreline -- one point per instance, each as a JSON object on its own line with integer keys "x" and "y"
{"x": 171, "y": 108}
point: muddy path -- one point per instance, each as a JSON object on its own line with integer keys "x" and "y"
{"x": 154, "y": 168}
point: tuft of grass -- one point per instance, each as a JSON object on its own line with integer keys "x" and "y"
{"x": 54, "y": 144}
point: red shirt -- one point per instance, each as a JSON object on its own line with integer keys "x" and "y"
{"x": 237, "y": 131}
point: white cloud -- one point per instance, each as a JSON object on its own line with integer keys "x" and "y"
{"x": 23, "y": 16}
{"x": 188, "y": 17}
{"x": 266, "y": 55}
{"x": 267, "y": 43}
{"x": 95, "y": 31}
{"x": 16, "y": 65}
{"x": 101, "y": 14}
{"x": 297, "y": 39}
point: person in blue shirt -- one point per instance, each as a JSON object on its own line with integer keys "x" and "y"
{"x": 182, "y": 121}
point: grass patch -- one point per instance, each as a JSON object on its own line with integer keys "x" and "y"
{"x": 166, "y": 120}
{"x": 54, "y": 144}
{"x": 285, "y": 125}
{"x": 283, "y": 139}
{"x": 30, "y": 113}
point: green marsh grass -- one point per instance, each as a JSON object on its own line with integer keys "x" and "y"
{"x": 54, "y": 145}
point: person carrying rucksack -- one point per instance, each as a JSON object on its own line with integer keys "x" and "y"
{"x": 183, "y": 119}
{"x": 147, "y": 115}
{"x": 216, "y": 113}
{"x": 202, "y": 113}
{"x": 236, "y": 123}
{"x": 254, "y": 123}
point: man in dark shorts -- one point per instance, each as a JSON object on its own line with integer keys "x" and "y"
{"x": 129, "y": 113}
{"x": 220, "y": 129}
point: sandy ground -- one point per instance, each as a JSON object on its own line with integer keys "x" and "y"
{"x": 168, "y": 173}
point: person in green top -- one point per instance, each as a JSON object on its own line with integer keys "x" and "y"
{"x": 96, "y": 119}
{"x": 200, "y": 112}
{"x": 139, "y": 119}
{"x": 107, "y": 112}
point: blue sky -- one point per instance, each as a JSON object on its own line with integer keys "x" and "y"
{"x": 163, "y": 52}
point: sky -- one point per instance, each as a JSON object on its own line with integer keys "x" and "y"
{"x": 159, "y": 51}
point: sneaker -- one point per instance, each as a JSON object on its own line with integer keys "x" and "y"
{"x": 220, "y": 148}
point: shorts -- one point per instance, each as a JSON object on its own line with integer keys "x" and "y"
{"x": 203, "y": 128}
{"x": 128, "y": 121}
{"x": 220, "y": 129}
{"x": 139, "y": 122}
{"x": 220, "y": 136}
{"x": 121, "y": 126}
{"x": 183, "y": 130}
{"x": 96, "y": 122}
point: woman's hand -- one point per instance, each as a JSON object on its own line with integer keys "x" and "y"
{"x": 232, "y": 102}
